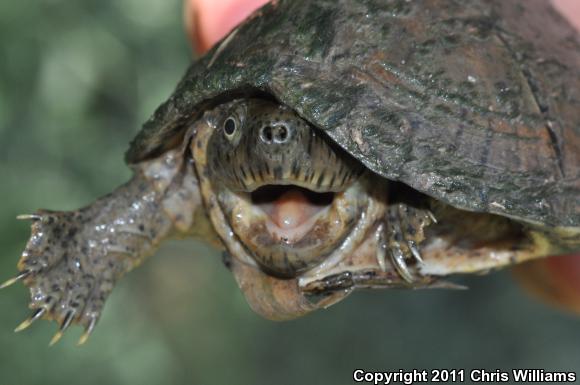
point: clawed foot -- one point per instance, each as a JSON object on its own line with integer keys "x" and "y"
{"x": 402, "y": 234}
{"x": 398, "y": 257}
{"x": 69, "y": 271}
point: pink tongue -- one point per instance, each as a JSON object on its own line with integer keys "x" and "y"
{"x": 291, "y": 209}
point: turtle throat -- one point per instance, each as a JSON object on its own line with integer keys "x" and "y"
{"x": 292, "y": 211}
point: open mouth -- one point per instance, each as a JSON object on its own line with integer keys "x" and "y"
{"x": 292, "y": 211}
{"x": 289, "y": 228}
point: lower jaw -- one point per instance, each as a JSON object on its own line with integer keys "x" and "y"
{"x": 288, "y": 252}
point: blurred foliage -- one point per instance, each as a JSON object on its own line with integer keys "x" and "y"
{"x": 76, "y": 80}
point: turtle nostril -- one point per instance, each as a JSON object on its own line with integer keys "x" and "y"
{"x": 266, "y": 134}
{"x": 282, "y": 134}
{"x": 278, "y": 134}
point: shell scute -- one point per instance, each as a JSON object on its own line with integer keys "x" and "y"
{"x": 475, "y": 103}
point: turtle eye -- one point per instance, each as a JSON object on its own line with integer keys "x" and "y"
{"x": 230, "y": 127}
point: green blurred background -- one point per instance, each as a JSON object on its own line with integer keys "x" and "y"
{"x": 77, "y": 78}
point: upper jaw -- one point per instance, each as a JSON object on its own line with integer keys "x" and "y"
{"x": 317, "y": 181}
{"x": 306, "y": 184}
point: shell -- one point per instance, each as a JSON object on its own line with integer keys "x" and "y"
{"x": 475, "y": 103}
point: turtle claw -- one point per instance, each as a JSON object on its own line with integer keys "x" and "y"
{"x": 29, "y": 217}
{"x": 405, "y": 225}
{"x": 381, "y": 247}
{"x": 398, "y": 259}
{"x": 431, "y": 216}
{"x": 23, "y": 274}
{"x": 27, "y": 322}
{"x": 56, "y": 338}
{"x": 415, "y": 251}
{"x": 66, "y": 322}
{"x": 87, "y": 333}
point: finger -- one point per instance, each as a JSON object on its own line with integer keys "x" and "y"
{"x": 208, "y": 21}
{"x": 555, "y": 280}
{"x": 570, "y": 9}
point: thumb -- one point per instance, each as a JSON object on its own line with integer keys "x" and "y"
{"x": 207, "y": 21}
{"x": 570, "y": 9}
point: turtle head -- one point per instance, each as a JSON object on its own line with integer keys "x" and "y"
{"x": 260, "y": 141}
{"x": 289, "y": 195}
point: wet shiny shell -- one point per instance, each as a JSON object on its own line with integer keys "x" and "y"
{"x": 476, "y": 103}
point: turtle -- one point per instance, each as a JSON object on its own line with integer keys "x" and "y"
{"x": 338, "y": 145}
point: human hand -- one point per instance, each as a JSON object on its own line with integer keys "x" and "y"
{"x": 570, "y": 9}
{"x": 207, "y": 21}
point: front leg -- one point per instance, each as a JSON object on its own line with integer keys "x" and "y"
{"x": 389, "y": 257}
{"x": 403, "y": 233}
{"x": 371, "y": 265}
{"x": 73, "y": 259}
{"x": 370, "y": 278}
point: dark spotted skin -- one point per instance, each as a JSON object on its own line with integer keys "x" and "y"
{"x": 405, "y": 226}
{"x": 474, "y": 103}
{"x": 74, "y": 259}
{"x": 271, "y": 142}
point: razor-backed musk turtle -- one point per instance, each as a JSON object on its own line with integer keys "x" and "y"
{"x": 335, "y": 145}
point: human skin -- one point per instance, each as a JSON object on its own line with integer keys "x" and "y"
{"x": 555, "y": 279}
{"x": 207, "y": 21}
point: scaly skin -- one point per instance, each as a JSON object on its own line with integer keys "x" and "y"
{"x": 383, "y": 247}
{"x": 73, "y": 259}
{"x": 366, "y": 232}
